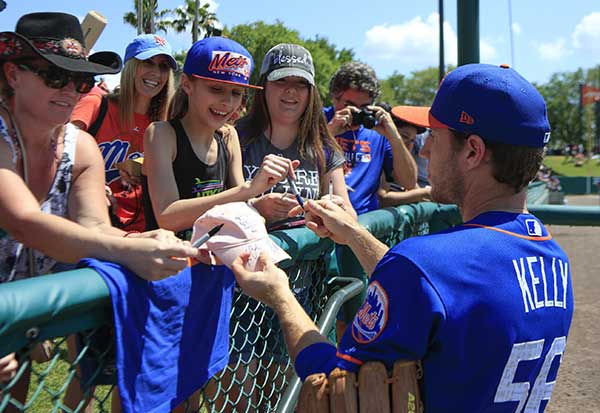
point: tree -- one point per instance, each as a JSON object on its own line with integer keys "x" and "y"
{"x": 561, "y": 93}
{"x": 158, "y": 17}
{"x": 418, "y": 89}
{"x": 185, "y": 18}
{"x": 393, "y": 89}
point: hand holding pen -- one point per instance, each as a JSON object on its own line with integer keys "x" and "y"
{"x": 273, "y": 169}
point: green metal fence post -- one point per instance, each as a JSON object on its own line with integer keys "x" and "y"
{"x": 468, "y": 31}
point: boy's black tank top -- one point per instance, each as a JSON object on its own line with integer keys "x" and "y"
{"x": 193, "y": 177}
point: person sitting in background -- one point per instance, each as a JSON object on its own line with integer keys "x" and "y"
{"x": 118, "y": 122}
{"x": 367, "y": 135}
{"x": 52, "y": 205}
{"x": 413, "y": 136}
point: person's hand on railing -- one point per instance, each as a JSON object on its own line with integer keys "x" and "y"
{"x": 8, "y": 367}
{"x": 328, "y": 220}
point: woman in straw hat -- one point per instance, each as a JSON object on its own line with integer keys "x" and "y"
{"x": 52, "y": 206}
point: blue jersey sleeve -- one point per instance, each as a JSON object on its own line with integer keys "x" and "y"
{"x": 398, "y": 319}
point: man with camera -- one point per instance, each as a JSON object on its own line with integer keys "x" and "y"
{"x": 367, "y": 135}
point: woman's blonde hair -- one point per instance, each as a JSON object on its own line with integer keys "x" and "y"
{"x": 125, "y": 96}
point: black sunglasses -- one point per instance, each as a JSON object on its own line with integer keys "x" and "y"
{"x": 57, "y": 78}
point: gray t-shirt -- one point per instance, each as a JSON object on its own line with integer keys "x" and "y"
{"x": 307, "y": 174}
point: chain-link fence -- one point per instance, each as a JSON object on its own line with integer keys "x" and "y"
{"x": 259, "y": 369}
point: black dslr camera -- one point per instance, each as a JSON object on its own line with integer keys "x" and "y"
{"x": 365, "y": 117}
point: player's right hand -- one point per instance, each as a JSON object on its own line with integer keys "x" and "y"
{"x": 328, "y": 220}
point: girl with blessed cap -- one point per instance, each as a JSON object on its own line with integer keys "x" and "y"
{"x": 118, "y": 122}
{"x": 52, "y": 206}
{"x": 286, "y": 118}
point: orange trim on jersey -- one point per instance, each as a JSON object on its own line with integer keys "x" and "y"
{"x": 546, "y": 238}
{"x": 349, "y": 358}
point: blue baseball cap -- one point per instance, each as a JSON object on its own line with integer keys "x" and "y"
{"x": 221, "y": 60}
{"x": 494, "y": 102}
{"x": 146, "y": 46}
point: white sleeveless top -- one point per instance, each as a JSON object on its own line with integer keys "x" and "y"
{"x": 14, "y": 259}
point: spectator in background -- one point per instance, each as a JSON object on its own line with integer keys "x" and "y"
{"x": 413, "y": 136}
{"x": 119, "y": 121}
{"x": 52, "y": 196}
{"x": 367, "y": 135}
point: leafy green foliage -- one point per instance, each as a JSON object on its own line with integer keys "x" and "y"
{"x": 161, "y": 17}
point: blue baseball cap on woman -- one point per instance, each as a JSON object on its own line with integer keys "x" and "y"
{"x": 221, "y": 60}
{"x": 146, "y": 46}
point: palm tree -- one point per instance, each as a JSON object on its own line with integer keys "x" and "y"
{"x": 184, "y": 17}
{"x": 158, "y": 20}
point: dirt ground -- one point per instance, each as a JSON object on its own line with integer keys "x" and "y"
{"x": 577, "y": 387}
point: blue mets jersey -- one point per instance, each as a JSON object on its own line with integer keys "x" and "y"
{"x": 486, "y": 306}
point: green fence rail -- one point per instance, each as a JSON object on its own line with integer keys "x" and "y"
{"x": 58, "y": 305}
{"x": 579, "y": 185}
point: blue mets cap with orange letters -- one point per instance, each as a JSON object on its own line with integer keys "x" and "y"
{"x": 146, "y": 46}
{"x": 221, "y": 60}
{"x": 494, "y": 102}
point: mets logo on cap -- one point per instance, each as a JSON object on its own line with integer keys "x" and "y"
{"x": 220, "y": 59}
{"x": 371, "y": 318}
{"x": 232, "y": 63}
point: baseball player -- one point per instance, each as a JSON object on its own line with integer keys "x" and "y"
{"x": 486, "y": 306}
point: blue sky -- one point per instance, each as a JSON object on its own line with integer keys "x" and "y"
{"x": 391, "y": 35}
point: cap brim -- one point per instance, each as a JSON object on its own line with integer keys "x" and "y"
{"x": 227, "y": 82}
{"x": 290, "y": 71}
{"x": 151, "y": 53}
{"x": 417, "y": 115}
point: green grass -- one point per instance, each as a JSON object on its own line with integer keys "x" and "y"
{"x": 560, "y": 166}
{"x": 47, "y": 387}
